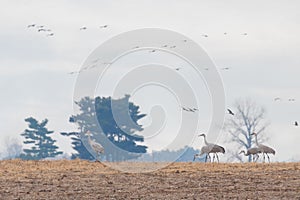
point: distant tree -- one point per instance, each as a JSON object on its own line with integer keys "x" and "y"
{"x": 13, "y": 148}
{"x": 118, "y": 119}
{"x": 78, "y": 146}
{"x": 248, "y": 118}
{"x": 185, "y": 154}
{"x": 38, "y": 137}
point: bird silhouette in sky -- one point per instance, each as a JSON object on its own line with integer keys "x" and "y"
{"x": 277, "y": 99}
{"x": 104, "y": 26}
{"x": 31, "y": 25}
{"x": 230, "y": 112}
{"x": 225, "y": 68}
{"x": 296, "y": 123}
{"x": 83, "y": 28}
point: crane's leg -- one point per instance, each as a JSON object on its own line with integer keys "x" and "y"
{"x": 214, "y": 157}
{"x": 195, "y": 157}
{"x": 208, "y": 156}
{"x": 263, "y": 157}
{"x": 97, "y": 157}
{"x": 217, "y": 158}
{"x": 268, "y": 158}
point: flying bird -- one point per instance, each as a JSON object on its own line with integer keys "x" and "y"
{"x": 230, "y": 112}
{"x": 41, "y": 29}
{"x": 277, "y": 99}
{"x": 190, "y": 109}
{"x": 185, "y": 109}
{"x": 296, "y": 123}
{"x": 172, "y": 47}
{"x": 104, "y": 26}
{"x": 31, "y": 25}
{"x": 204, "y": 35}
{"x": 225, "y": 68}
{"x": 291, "y": 99}
{"x": 50, "y": 34}
{"x": 245, "y": 34}
{"x": 83, "y": 28}
{"x": 178, "y": 68}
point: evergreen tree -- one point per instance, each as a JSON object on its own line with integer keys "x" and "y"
{"x": 118, "y": 119}
{"x": 78, "y": 146}
{"x": 38, "y": 136}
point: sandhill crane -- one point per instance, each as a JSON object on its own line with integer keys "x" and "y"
{"x": 214, "y": 148}
{"x": 83, "y": 28}
{"x": 252, "y": 151}
{"x": 98, "y": 148}
{"x": 264, "y": 149}
{"x": 204, "y": 150}
{"x": 230, "y": 112}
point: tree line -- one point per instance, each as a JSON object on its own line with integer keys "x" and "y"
{"x": 118, "y": 121}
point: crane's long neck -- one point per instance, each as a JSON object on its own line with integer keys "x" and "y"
{"x": 205, "y": 141}
{"x": 256, "y": 140}
{"x": 89, "y": 138}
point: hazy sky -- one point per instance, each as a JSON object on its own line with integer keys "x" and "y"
{"x": 34, "y": 79}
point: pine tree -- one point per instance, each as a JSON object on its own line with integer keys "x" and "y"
{"x": 78, "y": 146}
{"x": 38, "y": 136}
{"x": 97, "y": 114}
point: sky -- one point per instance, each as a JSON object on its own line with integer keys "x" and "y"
{"x": 263, "y": 65}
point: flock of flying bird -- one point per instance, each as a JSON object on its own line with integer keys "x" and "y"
{"x": 49, "y": 32}
{"x": 42, "y": 28}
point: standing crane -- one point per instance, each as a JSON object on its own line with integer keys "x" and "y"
{"x": 213, "y": 148}
{"x": 204, "y": 150}
{"x": 252, "y": 151}
{"x": 98, "y": 148}
{"x": 264, "y": 149}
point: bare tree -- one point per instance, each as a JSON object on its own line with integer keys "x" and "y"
{"x": 249, "y": 117}
{"x": 13, "y": 148}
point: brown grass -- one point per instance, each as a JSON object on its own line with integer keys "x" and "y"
{"x": 89, "y": 180}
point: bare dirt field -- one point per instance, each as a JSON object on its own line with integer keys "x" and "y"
{"x": 90, "y": 180}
